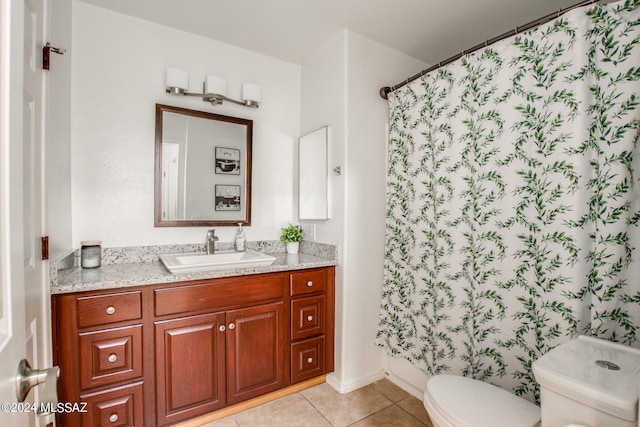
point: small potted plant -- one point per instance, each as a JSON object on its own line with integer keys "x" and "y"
{"x": 292, "y": 236}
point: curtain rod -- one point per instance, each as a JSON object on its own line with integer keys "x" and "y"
{"x": 386, "y": 90}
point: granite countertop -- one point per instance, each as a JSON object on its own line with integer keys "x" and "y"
{"x": 136, "y": 266}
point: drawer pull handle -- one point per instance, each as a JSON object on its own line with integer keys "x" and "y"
{"x": 232, "y": 326}
{"x": 310, "y": 283}
{"x": 309, "y": 359}
{"x": 222, "y": 328}
{"x": 112, "y": 358}
{"x": 110, "y": 310}
{"x": 309, "y": 318}
{"x": 113, "y": 418}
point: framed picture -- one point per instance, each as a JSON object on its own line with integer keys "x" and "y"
{"x": 227, "y": 161}
{"x": 227, "y": 197}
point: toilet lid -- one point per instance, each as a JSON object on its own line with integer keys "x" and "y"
{"x": 466, "y": 402}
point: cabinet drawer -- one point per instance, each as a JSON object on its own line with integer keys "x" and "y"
{"x": 218, "y": 294}
{"x": 108, "y": 308}
{"x": 307, "y": 282}
{"x": 307, "y": 359}
{"x": 117, "y": 407}
{"x": 110, "y": 356}
{"x": 307, "y": 317}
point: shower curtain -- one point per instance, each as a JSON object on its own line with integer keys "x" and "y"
{"x": 513, "y": 200}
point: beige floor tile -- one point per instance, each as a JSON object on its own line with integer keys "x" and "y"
{"x": 345, "y": 409}
{"x": 391, "y": 416}
{"x": 416, "y": 408}
{"x": 390, "y": 390}
{"x": 322, "y": 406}
{"x": 290, "y": 411}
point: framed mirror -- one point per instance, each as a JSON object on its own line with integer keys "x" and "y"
{"x": 314, "y": 175}
{"x": 202, "y": 168}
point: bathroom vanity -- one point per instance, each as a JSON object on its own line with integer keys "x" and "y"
{"x": 162, "y": 353}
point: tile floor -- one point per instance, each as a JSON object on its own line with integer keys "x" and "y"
{"x": 379, "y": 404}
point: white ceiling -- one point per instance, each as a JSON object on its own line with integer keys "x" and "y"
{"x": 291, "y": 30}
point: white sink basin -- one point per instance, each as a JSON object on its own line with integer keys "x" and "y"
{"x": 189, "y": 263}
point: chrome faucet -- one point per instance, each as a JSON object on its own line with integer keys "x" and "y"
{"x": 211, "y": 241}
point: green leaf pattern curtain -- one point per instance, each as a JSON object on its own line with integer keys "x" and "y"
{"x": 513, "y": 200}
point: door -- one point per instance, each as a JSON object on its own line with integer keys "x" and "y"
{"x": 255, "y": 351}
{"x": 24, "y": 296}
{"x": 190, "y": 367}
{"x": 170, "y": 168}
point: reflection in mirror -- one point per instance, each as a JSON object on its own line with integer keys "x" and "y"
{"x": 314, "y": 179}
{"x": 202, "y": 168}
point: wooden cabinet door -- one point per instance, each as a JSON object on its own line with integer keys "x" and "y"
{"x": 190, "y": 367}
{"x": 255, "y": 351}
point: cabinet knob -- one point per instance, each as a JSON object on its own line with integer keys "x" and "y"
{"x": 309, "y": 359}
{"x": 110, "y": 310}
{"x": 232, "y": 326}
{"x": 112, "y": 358}
{"x": 113, "y": 418}
{"x": 222, "y": 328}
{"x": 310, "y": 283}
{"x": 309, "y": 318}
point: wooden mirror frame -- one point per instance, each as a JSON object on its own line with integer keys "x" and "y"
{"x": 158, "y": 220}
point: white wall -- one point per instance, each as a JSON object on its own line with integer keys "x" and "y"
{"x": 371, "y": 66}
{"x": 340, "y": 86}
{"x": 324, "y": 102}
{"x": 118, "y": 76}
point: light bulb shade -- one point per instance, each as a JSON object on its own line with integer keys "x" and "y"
{"x": 215, "y": 84}
{"x": 251, "y": 92}
{"x": 177, "y": 78}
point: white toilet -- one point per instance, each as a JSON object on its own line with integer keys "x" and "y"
{"x": 586, "y": 382}
{"x": 455, "y": 401}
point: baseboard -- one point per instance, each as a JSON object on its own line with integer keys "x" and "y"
{"x": 344, "y": 387}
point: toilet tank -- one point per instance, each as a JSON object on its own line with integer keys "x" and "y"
{"x": 589, "y": 382}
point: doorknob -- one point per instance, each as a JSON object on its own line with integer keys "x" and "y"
{"x": 28, "y": 378}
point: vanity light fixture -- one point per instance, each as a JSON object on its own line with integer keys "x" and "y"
{"x": 214, "y": 89}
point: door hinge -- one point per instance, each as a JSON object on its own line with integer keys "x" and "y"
{"x": 45, "y": 247}
{"x": 46, "y": 54}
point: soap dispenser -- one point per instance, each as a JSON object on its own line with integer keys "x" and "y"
{"x": 240, "y": 241}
